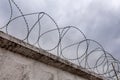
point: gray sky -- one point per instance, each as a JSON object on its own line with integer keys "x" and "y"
{"x": 98, "y": 19}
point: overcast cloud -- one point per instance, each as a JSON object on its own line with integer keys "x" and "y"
{"x": 98, "y": 19}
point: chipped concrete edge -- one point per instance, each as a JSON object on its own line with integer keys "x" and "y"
{"x": 18, "y": 46}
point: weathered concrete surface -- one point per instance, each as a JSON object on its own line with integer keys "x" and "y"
{"x": 22, "y": 61}
{"x": 16, "y": 67}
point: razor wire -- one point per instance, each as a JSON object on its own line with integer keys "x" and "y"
{"x": 87, "y": 53}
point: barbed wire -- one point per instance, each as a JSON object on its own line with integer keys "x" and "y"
{"x": 87, "y": 53}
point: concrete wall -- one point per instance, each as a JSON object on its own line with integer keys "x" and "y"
{"x": 22, "y": 61}
{"x": 16, "y": 67}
